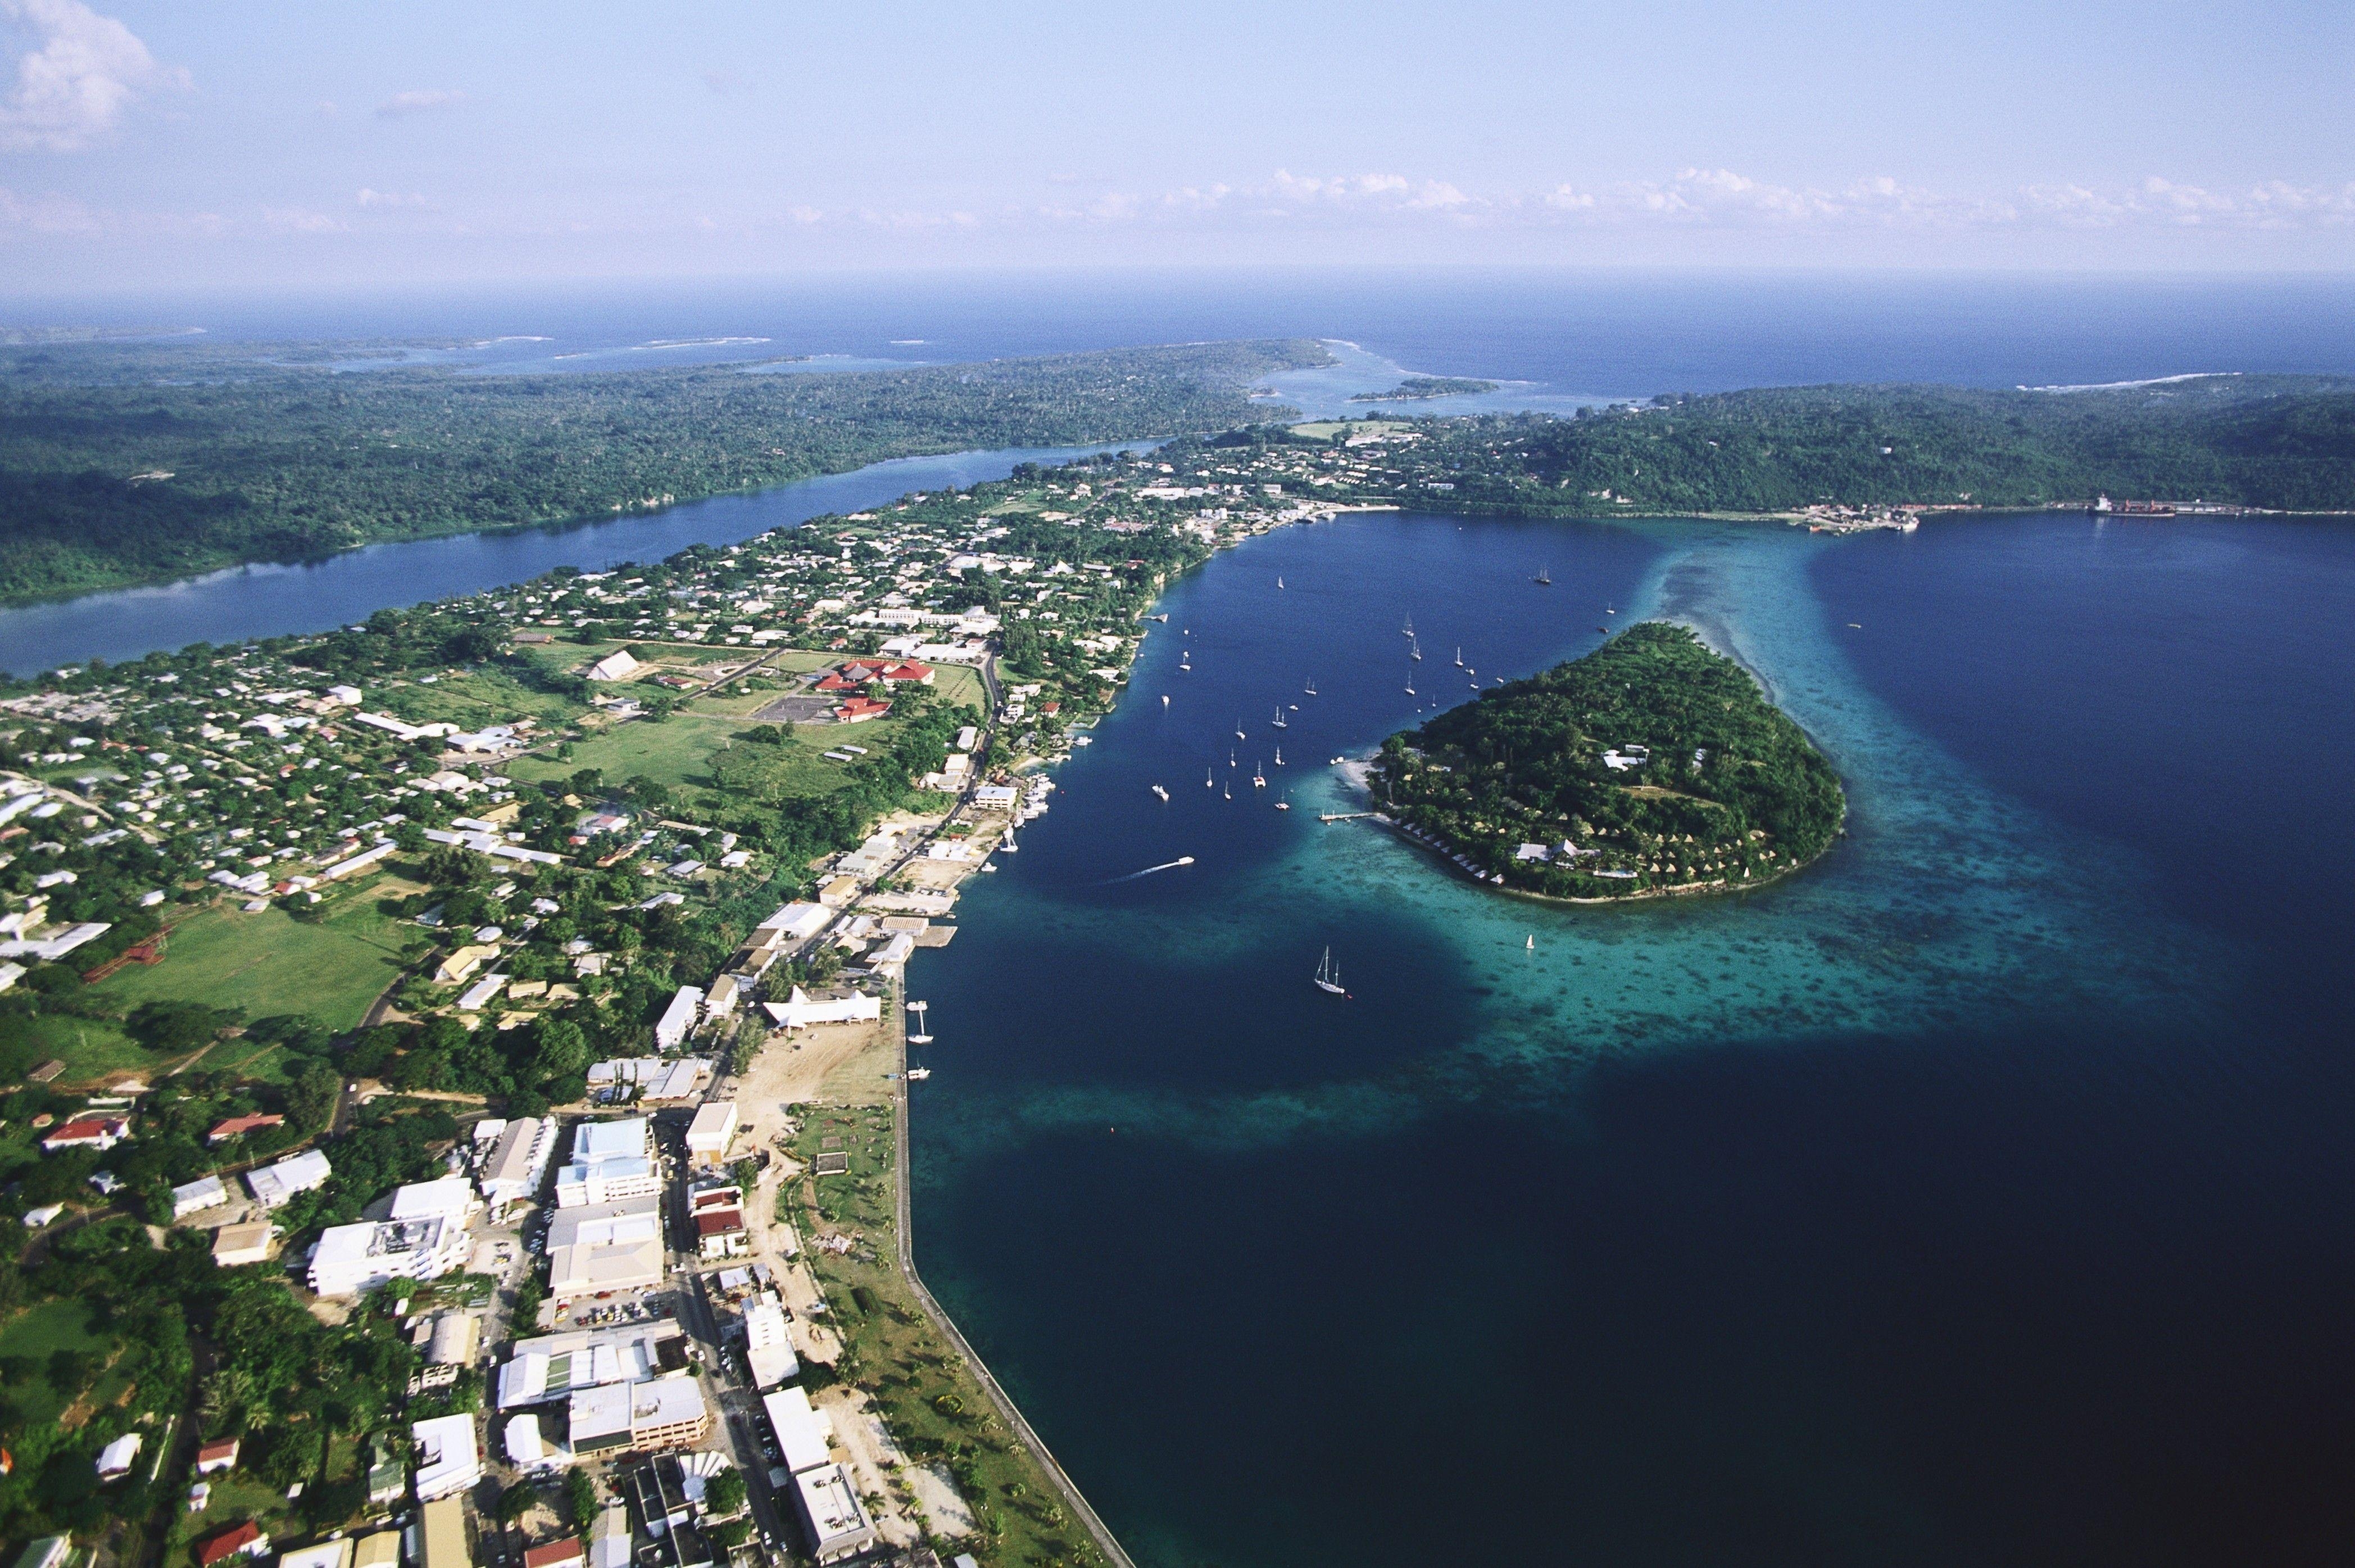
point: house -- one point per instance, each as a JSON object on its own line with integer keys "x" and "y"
{"x": 1624, "y": 757}
{"x": 448, "y": 1459}
{"x": 245, "y": 1540}
{"x": 49, "y": 1552}
{"x": 860, "y": 709}
{"x": 238, "y": 1127}
{"x": 206, "y": 1192}
{"x": 114, "y": 1460}
{"x": 566, "y": 1553}
{"x": 220, "y": 1454}
{"x": 714, "y": 1128}
{"x": 88, "y": 1132}
{"x": 462, "y": 963}
{"x": 234, "y": 1246}
{"x": 718, "y": 1215}
{"x": 620, "y": 666}
{"x": 274, "y": 1185}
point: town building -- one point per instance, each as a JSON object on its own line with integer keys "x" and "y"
{"x": 605, "y": 1246}
{"x": 800, "y": 1010}
{"x": 551, "y": 1366}
{"x": 217, "y": 1455}
{"x": 114, "y": 1460}
{"x": 566, "y": 1553}
{"x": 768, "y": 1347}
{"x": 441, "y": 1535}
{"x": 801, "y": 1432}
{"x": 713, "y": 1129}
{"x": 449, "y": 1460}
{"x": 718, "y": 1215}
{"x": 326, "y": 1554}
{"x": 381, "y": 1550}
{"x": 517, "y": 1162}
{"x": 830, "y": 1507}
{"x": 679, "y": 1019}
{"x": 350, "y": 1259}
{"x": 610, "y": 1161}
{"x": 668, "y": 1413}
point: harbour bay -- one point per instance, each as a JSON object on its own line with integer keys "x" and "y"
{"x": 1685, "y": 1224}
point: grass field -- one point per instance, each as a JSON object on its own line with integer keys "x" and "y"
{"x": 38, "y": 1332}
{"x": 270, "y": 963}
{"x": 91, "y": 1050}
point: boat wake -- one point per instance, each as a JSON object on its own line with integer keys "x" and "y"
{"x": 1164, "y": 866}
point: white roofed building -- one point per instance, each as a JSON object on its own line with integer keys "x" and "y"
{"x": 768, "y": 1348}
{"x": 713, "y": 1129}
{"x": 679, "y": 1019}
{"x": 800, "y": 1010}
{"x": 606, "y": 1246}
{"x": 274, "y": 1185}
{"x": 449, "y": 1460}
{"x": 610, "y": 1161}
{"x": 517, "y": 1163}
{"x": 350, "y": 1259}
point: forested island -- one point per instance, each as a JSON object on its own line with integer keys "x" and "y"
{"x": 1418, "y": 388}
{"x": 124, "y": 462}
{"x": 1652, "y": 766}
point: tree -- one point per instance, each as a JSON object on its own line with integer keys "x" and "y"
{"x": 561, "y": 1049}
{"x": 579, "y": 1499}
{"x": 723, "y": 1494}
{"x": 171, "y": 1027}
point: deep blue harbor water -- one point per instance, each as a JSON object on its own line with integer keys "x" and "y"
{"x": 1981, "y": 1195}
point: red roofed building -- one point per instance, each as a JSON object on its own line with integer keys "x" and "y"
{"x": 860, "y": 709}
{"x": 857, "y": 673}
{"x": 246, "y": 1539}
{"x": 718, "y": 1216}
{"x": 238, "y": 1127}
{"x": 220, "y": 1455}
{"x": 565, "y": 1554}
{"x": 88, "y": 1132}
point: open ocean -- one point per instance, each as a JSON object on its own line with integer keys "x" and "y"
{"x": 1981, "y": 1195}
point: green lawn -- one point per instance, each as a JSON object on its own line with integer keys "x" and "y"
{"x": 480, "y": 696}
{"x": 270, "y": 963}
{"x": 91, "y": 1050}
{"x": 38, "y": 1332}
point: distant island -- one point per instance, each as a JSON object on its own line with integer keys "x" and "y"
{"x": 1416, "y": 387}
{"x": 1651, "y": 766}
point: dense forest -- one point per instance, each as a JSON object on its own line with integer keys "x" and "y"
{"x": 132, "y": 462}
{"x": 1713, "y": 786}
{"x": 2258, "y": 441}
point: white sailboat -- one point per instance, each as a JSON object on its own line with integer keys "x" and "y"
{"x": 1407, "y": 630}
{"x": 1162, "y": 793}
{"x": 1209, "y": 778}
{"x": 1227, "y": 790}
{"x": 1414, "y": 649}
{"x": 1241, "y": 734}
{"x": 1410, "y": 681}
{"x": 1329, "y": 975}
{"x": 1165, "y": 700}
{"x": 1280, "y": 722}
{"x": 1459, "y": 655}
{"x": 1312, "y": 685}
{"x": 923, "y": 1022}
{"x": 1258, "y": 778}
{"x": 1285, "y": 804}
{"x": 1279, "y": 757}
{"x": 1279, "y": 579}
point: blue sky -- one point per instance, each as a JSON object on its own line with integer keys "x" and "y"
{"x": 192, "y": 144}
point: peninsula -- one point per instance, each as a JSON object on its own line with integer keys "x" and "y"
{"x": 1651, "y": 766}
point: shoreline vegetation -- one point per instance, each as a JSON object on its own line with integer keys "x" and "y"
{"x": 1417, "y": 389}
{"x": 132, "y": 462}
{"x": 1649, "y": 768}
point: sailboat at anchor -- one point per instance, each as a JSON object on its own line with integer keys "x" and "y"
{"x": 1329, "y": 975}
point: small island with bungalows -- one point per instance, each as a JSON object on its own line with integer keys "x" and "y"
{"x": 1417, "y": 389}
{"x": 1651, "y": 766}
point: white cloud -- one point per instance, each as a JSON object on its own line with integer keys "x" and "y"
{"x": 75, "y": 84}
{"x": 297, "y": 220}
{"x": 368, "y": 197}
{"x": 422, "y": 100}
{"x": 45, "y": 214}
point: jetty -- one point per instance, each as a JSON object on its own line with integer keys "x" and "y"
{"x": 1344, "y": 815}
